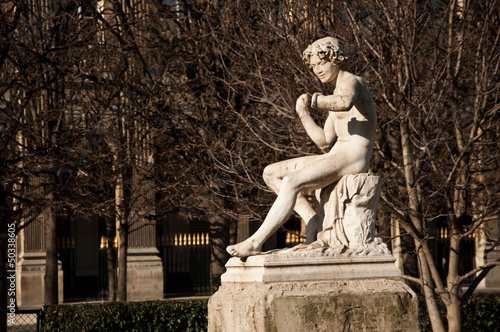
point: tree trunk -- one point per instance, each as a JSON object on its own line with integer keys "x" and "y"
{"x": 111, "y": 262}
{"x": 121, "y": 289}
{"x": 396, "y": 244}
{"x": 51, "y": 286}
{"x": 454, "y": 314}
{"x": 219, "y": 239}
{"x": 122, "y": 234}
{"x": 430, "y": 296}
{"x": 453, "y": 303}
{"x": 416, "y": 219}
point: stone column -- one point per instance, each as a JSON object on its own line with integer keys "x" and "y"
{"x": 30, "y": 270}
{"x": 246, "y": 228}
{"x": 144, "y": 266}
{"x": 488, "y": 250}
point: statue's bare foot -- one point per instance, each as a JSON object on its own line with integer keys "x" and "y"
{"x": 244, "y": 249}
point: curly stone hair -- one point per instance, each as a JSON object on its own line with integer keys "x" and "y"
{"x": 328, "y": 47}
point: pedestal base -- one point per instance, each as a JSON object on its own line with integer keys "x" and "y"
{"x": 262, "y": 301}
{"x": 144, "y": 275}
{"x": 30, "y": 279}
{"x": 276, "y": 268}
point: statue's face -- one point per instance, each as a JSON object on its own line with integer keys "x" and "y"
{"x": 324, "y": 69}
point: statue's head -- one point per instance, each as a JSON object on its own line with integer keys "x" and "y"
{"x": 328, "y": 48}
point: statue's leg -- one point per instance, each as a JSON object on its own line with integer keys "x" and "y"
{"x": 279, "y": 213}
{"x": 317, "y": 172}
{"x": 274, "y": 174}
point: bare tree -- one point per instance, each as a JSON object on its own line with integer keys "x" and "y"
{"x": 34, "y": 103}
{"x": 50, "y": 144}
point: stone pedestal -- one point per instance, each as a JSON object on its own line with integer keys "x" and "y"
{"x": 283, "y": 293}
{"x": 30, "y": 280}
{"x": 144, "y": 274}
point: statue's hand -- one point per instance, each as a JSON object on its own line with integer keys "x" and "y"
{"x": 314, "y": 99}
{"x": 303, "y": 104}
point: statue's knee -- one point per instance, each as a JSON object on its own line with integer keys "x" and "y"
{"x": 268, "y": 174}
{"x": 288, "y": 183}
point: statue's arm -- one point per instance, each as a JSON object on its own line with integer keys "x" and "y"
{"x": 322, "y": 137}
{"x": 343, "y": 99}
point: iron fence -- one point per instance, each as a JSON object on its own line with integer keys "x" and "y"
{"x": 24, "y": 320}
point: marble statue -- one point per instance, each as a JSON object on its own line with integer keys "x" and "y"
{"x": 348, "y": 195}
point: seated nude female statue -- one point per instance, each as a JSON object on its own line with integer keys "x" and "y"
{"x": 347, "y": 139}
